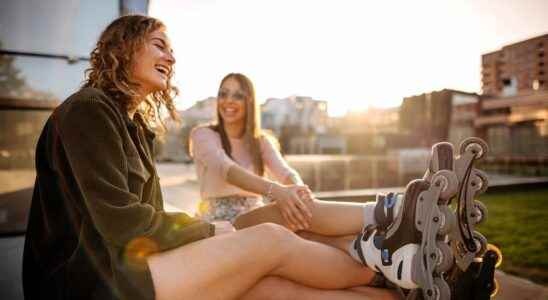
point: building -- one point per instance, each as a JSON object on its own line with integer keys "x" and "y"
{"x": 514, "y": 103}
{"x": 202, "y": 112}
{"x": 426, "y": 117}
{"x": 304, "y": 114}
{"x": 370, "y": 131}
{"x": 515, "y": 127}
{"x": 300, "y": 123}
{"x": 174, "y": 144}
{"x": 465, "y": 109}
{"x": 446, "y": 115}
{"x": 515, "y": 69}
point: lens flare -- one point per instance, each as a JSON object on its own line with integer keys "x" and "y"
{"x": 137, "y": 251}
{"x": 203, "y": 207}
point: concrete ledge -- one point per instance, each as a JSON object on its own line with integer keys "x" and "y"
{"x": 27, "y": 104}
{"x": 361, "y": 195}
{"x": 497, "y": 184}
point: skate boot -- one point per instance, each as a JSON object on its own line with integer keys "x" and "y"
{"x": 387, "y": 205}
{"x": 386, "y": 208}
{"x": 408, "y": 252}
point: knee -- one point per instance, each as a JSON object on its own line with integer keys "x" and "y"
{"x": 274, "y": 231}
{"x": 277, "y": 235}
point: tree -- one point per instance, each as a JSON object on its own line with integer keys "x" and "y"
{"x": 10, "y": 78}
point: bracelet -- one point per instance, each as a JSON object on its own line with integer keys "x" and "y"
{"x": 268, "y": 196}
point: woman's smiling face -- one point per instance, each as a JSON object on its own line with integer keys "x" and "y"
{"x": 153, "y": 63}
{"x": 232, "y": 102}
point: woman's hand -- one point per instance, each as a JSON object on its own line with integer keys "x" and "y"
{"x": 294, "y": 202}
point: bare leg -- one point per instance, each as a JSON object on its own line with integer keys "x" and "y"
{"x": 227, "y": 266}
{"x": 276, "y": 288}
{"x": 328, "y": 218}
{"x": 339, "y": 242}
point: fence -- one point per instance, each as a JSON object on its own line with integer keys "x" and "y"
{"x": 346, "y": 172}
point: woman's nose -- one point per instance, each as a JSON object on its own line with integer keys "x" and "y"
{"x": 171, "y": 58}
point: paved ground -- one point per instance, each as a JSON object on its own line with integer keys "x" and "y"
{"x": 181, "y": 192}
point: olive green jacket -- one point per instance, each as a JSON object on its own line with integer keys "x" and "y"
{"x": 97, "y": 209}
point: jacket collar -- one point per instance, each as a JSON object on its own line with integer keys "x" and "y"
{"x": 138, "y": 117}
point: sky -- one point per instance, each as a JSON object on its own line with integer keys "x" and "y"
{"x": 352, "y": 53}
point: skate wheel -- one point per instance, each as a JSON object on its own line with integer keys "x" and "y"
{"x": 498, "y": 252}
{"x": 449, "y": 220}
{"x": 449, "y": 183}
{"x": 441, "y": 290}
{"x": 480, "y": 179}
{"x": 479, "y": 212}
{"x": 495, "y": 290}
{"x": 481, "y": 243}
{"x": 445, "y": 257}
{"x": 476, "y": 145}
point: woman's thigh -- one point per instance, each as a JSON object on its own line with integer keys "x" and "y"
{"x": 340, "y": 242}
{"x": 226, "y": 266}
{"x": 221, "y": 267}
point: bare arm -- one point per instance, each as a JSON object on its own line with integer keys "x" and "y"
{"x": 276, "y": 164}
{"x": 281, "y": 170}
{"x": 293, "y": 179}
{"x": 207, "y": 148}
{"x": 289, "y": 194}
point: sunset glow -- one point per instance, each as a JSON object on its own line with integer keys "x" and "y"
{"x": 354, "y": 54}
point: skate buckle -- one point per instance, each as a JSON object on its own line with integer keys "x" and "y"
{"x": 378, "y": 239}
{"x": 385, "y": 257}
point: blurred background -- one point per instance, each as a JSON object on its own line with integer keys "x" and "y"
{"x": 355, "y": 91}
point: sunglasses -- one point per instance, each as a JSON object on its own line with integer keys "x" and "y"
{"x": 223, "y": 95}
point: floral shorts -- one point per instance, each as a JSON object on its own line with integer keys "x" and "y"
{"x": 227, "y": 208}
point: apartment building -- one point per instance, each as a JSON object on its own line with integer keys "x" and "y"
{"x": 514, "y": 102}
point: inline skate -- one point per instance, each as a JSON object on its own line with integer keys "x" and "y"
{"x": 423, "y": 245}
{"x": 408, "y": 252}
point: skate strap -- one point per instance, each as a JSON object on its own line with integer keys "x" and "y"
{"x": 387, "y": 202}
{"x": 363, "y": 236}
{"x": 358, "y": 248}
{"x": 390, "y": 200}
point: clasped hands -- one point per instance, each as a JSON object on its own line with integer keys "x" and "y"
{"x": 295, "y": 204}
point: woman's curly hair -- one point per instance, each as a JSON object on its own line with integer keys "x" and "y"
{"x": 111, "y": 63}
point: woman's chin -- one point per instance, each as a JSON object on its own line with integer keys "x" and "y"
{"x": 157, "y": 89}
{"x": 232, "y": 120}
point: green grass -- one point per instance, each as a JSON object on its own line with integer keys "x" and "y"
{"x": 517, "y": 223}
